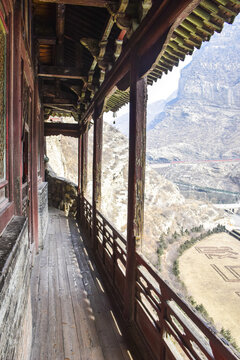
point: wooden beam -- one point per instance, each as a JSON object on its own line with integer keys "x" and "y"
{"x": 46, "y": 40}
{"x": 67, "y": 109}
{"x": 50, "y": 91}
{"x": 59, "y": 101}
{"x": 60, "y": 72}
{"x": 94, "y": 3}
{"x": 136, "y": 183}
{"x": 65, "y": 129}
{"x": 97, "y": 174}
{"x": 160, "y": 17}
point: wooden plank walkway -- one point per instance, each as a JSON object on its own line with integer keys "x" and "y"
{"x": 72, "y": 317}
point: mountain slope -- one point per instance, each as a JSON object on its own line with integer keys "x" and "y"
{"x": 122, "y": 122}
{"x": 203, "y": 122}
{"x": 166, "y": 210}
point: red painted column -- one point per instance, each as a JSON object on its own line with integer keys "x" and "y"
{"x": 97, "y": 173}
{"x": 42, "y": 145}
{"x": 34, "y": 167}
{"x": 136, "y": 182}
{"x": 17, "y": 112}
{"x": 11, "y": 106}
{"x": 79, "y": 162}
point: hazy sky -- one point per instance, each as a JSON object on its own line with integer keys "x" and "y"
{"x": 159, "y": 90}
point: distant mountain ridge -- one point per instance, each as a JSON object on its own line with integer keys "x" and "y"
{"x": 203, "y": 121}
{"x": 122, "y": 122}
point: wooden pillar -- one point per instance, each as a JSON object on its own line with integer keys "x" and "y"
{"x": 42, "y": 145}
{"x": 17, "y": 113}
{"x": 136, "y": 182}
{"x": 84, "y": 158}
{"x": 97, "y": 173}
{"x": 79, "y": 162}
{"x": 11, "y": 107}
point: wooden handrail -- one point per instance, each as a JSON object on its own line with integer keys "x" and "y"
{"x": 158, "y": 309}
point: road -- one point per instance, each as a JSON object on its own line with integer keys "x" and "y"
{"x": 192, "y": 162}
{"x": 167, "y": 260}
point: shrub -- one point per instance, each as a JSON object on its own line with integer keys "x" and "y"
{"x": 228, "y": 336}
{"x": 176, "y": 268}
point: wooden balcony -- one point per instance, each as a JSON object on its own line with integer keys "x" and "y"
{"x": 72, "y": 316}
{"x": 74, "y": 319}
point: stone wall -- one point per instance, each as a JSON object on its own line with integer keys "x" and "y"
{"x": 62, "y": 194}
{"x": 42, "y": 212}
{"x": 15, "y": 303}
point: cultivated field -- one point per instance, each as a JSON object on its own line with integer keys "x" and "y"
{"x": 211, "y": 272}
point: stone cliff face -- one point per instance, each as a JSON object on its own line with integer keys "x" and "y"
{"x": 203, "y": 121}
{"x": 122, "y": 122}
{"x": 166, "y": 210}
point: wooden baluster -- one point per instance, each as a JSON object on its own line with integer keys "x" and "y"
{"x": 136, "y": 181}
{"x": 163, "y": 316}
{"x": 114, "y": 257}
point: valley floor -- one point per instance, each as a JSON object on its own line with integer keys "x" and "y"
{"x": 210, "y": 271}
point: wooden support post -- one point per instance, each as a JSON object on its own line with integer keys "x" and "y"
{"x": 136, "y": 182}
{"x": 34, "y": 166}
{"x": 97, "y": 172}
{"x": 42, "y": 145}
{"x": 84, "y": 158}
{"x": 79, "y": 162}
{"x": 11, "y": 107}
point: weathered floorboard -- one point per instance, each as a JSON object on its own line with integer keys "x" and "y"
{"x": 72, "y": 316}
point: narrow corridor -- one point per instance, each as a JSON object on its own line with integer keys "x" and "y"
{"x": 72, "y": 317}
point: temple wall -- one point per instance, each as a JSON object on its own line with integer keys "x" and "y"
{"x": 15, "y": 300}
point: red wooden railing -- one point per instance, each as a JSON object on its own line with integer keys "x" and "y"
{"x": 170, "y": 328}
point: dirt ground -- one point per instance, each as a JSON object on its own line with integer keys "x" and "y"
{"x": 211, "y": 272}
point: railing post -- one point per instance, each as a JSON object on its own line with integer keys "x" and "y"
{"x": 84, "y": 158}
{"x": 136, "y": 182}
{"x": 97, "y": 172}
{"x": 80, "y": 206}
{"x": 163, "y": 316}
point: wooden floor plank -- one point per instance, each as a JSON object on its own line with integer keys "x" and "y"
{"x": 55, "y": 333}
{"x": 39, "y": 349}
{"x": 71, "y": 312}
